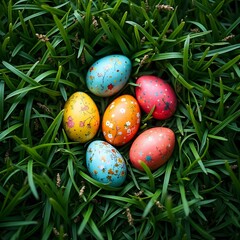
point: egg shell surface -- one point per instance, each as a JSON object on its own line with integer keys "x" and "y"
{"x": 154, "y": 91}
{"x": 108, "y": 75}
{"x": 105, "y": 164}
{"x": 153, "y": 146}
{"x": 81, "y": 119}
{"x": 121, "y": 120}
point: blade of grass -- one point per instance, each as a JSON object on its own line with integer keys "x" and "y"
{"x": 2, "y": 88}
{"x": 29, "y": 80}
{"x": 46, "y": 234}
{"x": 53, "y": 10}
{"x": 234, "y": 25}
{"x": 63, "y": 33}
{"x": 106, "y": 29}
{"x": 149, "y": 174}
{"x": 46, "y": 215}
{"x": 30, "y": 179}
{"x": 166, "y": 179}
{"x": 201, "y": 61}
{"x": 27, "y": 117}
{"x": 120, "y": 42}
{"x": 214, "y": 27}
{"x": 121, "y": 199}
{"x": 177, "y": 75}
{"x": 23, "y": 91}
{"x": 34, "y": 154}
{"x": 235, "y": 180}
{"x": 7, "y": 197}
{"x": 116, "y": 7}
{"x": 6, "y": 132}
{"x": 71, "y": 173}
{"x": 177, "y": 30}
{"x": 170, "y": 213}
{"x": 198, "y": 108}
{"x": 208, "y": 63}
{"x": 53, "y": 129}
{"x": 167, "y": 25}
{"x": 105, "y": 219}
{"x": 144, "y": 32}
{"x": 151, "y": 202}
{"x": 176, "y": 210}
{"x": 58, "y": 208}
{"x": 95, "y": 230}
{"x": 166, "y": 56}
{"x": 226, "y": 66}
{"x": 123, "y": 20}
{"x": 17, "y": 224}
{"x": 197, "y": 157}
{"x": 11, "y": 204}
{"x": 224, "y": 123}
{"x": 23, "y": 24}
{"x": 87, "y": 20}
{"x": 195, "y": 123}
{"x": 58, "y": 76}
{"x": 184, "y": 199}
{"x": 200, "y": 230}
{"x": 20, "y": 74}
{"x": 86, "y": 218}
{"x": 186, "y": 57}
{"x": 98, "y": 184}
{"x": 80, "y": 50}
{"x": 8, "y": 82}
{"x": 4, "y": 46}
{"x": 10, "y": 13}
{"x": 218, "y": 51}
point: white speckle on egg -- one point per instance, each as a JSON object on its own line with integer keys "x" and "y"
{"x": 122, "y": 110}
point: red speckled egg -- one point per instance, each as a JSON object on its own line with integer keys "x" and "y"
{"x": 153, "y": 146}
{"x": 121, "y": 120}
{"x": 154, "y": 91}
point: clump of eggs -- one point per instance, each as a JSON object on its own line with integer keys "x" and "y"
{"x": 121, "y": 120}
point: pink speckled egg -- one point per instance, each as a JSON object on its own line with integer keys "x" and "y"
{"x": 153, "y": 146}
{"x": 154, "y": 91}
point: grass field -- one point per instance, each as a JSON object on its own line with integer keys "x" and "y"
{"x": 46, "y": 48}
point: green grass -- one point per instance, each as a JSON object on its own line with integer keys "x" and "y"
{"x": 46, "y": 48}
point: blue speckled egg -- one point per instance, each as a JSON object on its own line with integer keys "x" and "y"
{"x": 105, "y": 164}
{"x": 108, "y": 75}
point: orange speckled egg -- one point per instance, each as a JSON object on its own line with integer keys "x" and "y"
{"x": 153, "y": 147}
{"x": 81, "y": 117}
{"x": 121, "y": 120}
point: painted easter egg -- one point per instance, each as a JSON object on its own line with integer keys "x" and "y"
{"x": 153, "y": 146}
{"x": 81, "y": 118}
{"x": 121, "y": 120}
{"x": 154, "y": 91}
{"x": 108, "y": 75}
{"x": 105, "y": 164}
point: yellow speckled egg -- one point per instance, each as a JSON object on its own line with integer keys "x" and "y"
{"x": 121, "y": 120}
{"x": 81, "y": 117}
